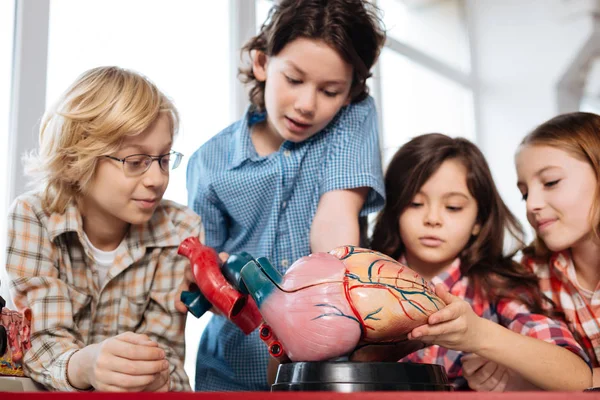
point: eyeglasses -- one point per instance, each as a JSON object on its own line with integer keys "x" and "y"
{"x": 137, "y": 164}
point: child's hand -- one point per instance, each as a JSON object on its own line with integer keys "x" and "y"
{"x": 188, "y": 281}
{"x": 455, "y": 326}
{"x": 162, "y": 384}
{"x": 129, "y": 362}
{"x": 483, "y": 375}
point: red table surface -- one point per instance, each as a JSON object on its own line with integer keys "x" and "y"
{"x": 311, "y": 396}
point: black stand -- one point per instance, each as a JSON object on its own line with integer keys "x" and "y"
{"x": 348, "y": 376}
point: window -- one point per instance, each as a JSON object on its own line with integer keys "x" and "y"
{"x": 437, "y": 27}
{"x": 426, "y": 82}
{"x": 176, "y": 43}
{"x": 416, "y": 100}
{"x": 7, "y": 28}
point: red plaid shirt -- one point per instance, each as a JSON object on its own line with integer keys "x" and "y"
{"x": 559, "y": 282}
{"x": 508, "y": 313}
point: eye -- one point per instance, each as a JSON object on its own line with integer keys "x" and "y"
{"x": 524, "y": 196}
{"x": 551, "y": 183}
{"x": 330, "y": 94}
{"x": 415, "y": 204}
{"x": 292, "y": 80}
{"x": 454, "y": 208}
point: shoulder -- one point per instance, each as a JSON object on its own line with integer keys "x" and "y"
{"x": 184, "y": 220}
{"x": 539, "y": 265}
{"x": 28, "y": 209}
{"x": 358, "y": 112}
{"x": 218, "y": 148}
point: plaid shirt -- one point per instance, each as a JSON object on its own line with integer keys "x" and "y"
{"x": 558, "y": 281}
{"x": 265, "y": 206}
{"x": 52, "y": 272}
{"x": 508, "y": 313}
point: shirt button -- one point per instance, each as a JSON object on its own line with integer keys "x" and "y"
{"x": 283, "y": 204}
{"x": 285, "y": 263}
{"x": 287, "y": 153}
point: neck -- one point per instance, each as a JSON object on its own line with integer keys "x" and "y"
{"x": 265, "y": 139}
{"x": 104, "y": 232}
{"x": 425, "y": 269}
{"x": 586, "y": 259}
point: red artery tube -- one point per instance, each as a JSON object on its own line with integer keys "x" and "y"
{"x": 238, "y": 308}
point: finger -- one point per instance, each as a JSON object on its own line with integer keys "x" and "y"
{"x": 180, "y": 306}
{"x": 448, "y": 313}
{"x": 444, "y": 328}
{"x": 136, "y": 352}
{"x": 470, "y": 366}
{"x": 136, "y": 338}
{"x": 503, "y": 382}
{"x": 128, "y": 367}
{"x": 444, "y": 294}
{"x": 483, "y": 379}
{"x": 128, "y": 382}
{"x": 159, "y": 385}
{"x": 223, "y": 256}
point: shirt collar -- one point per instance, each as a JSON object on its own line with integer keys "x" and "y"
{"x": 157, "y": 232}
{"x": 243, "y": 149}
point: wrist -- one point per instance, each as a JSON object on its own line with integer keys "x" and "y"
{"x": 484, "y": 336}
{"x": 78, "y": 375}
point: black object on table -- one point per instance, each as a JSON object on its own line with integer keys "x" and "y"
{"x": 346, "y": 376}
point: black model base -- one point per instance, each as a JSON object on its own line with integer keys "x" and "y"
{"x": 345, "y": 376}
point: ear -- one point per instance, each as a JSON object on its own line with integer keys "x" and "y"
{"x": 259, "y": 65}
{"x": 476, "y": 229}
{"x": 348, "y": 100}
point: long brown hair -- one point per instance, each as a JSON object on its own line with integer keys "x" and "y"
{"x": 493, "y": 273}
{"x": 351, "y": 27}
{"x": 578, "y": 134}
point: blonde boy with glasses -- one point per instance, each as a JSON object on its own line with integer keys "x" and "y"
{"x": 93, "y": 251}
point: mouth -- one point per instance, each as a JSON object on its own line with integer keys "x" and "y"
{"x": 431, "y": 241}
{"x": 147, "y": 203}
{"x": 295, "y": 125}
{"x": 543, "y": 224}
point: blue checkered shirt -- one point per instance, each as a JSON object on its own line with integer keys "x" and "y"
{"x": 265, "y": 206}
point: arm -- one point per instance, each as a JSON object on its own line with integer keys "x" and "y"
{"x": 336, "y": 220}
{"x": 32, "y": 265}
{"x": 596, "y": 381}
{"x": 352, "y": 183}
{"x": 543, "y": 364}
{"x": 204, "y": 202}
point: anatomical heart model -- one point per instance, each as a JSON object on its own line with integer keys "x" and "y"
{"x": 350, "y": 301}
{"x": 15, "y": 329}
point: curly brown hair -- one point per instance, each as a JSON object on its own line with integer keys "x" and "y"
{"x": 494, "y": 274}
{"x": 351, "y": 27}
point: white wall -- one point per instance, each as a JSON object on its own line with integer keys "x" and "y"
{"x": 523, "y": 48}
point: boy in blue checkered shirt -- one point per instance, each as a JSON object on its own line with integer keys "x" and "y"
{"x": 294, "y": 174}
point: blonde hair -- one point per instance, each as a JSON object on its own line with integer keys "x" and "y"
{"x": 91, "y": 118}
{"x": 578, "y": 134}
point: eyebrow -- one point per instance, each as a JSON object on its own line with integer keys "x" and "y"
{"x": 330, "y": 82}
{"x": 451, "y": 194}
{"x": 142, "y": 149}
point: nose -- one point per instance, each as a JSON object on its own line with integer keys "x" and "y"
{"x": 535, "y": 201}
{"x": 432, "y": 217}
{"x": 155, "y": 176}
{"x": 306, "y": 102}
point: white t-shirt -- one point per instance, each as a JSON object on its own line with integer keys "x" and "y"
{"x": 104, "y": 259}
